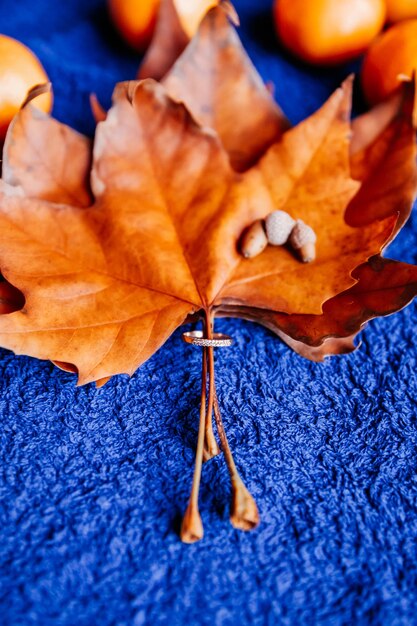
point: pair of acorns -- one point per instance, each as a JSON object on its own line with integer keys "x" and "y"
{"x": 277, "y": 229}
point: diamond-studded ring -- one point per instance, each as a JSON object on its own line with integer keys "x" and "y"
{"x": 196, "y": 337}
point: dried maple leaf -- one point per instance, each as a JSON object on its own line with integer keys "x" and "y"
{"x": 215, "y": 79}
{"x": 107, "y": 281}
{"x": 152, "y": 220}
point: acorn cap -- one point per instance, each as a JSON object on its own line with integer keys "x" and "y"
{"x": 279, "y": 225}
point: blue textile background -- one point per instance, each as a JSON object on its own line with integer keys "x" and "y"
{"x": 93, "y": 482}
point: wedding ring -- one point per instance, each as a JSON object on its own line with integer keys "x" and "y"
{"x": 196, "y": 337}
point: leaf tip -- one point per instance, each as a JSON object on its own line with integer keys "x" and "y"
{"x": 36, "y": 91}
{"x": 230, "y": 11}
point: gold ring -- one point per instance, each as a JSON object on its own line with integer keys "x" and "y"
{"x": 196, "y": 337}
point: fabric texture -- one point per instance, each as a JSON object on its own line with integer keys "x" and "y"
{"x": 93, "y": 482}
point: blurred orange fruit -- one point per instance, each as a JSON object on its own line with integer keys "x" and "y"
{"x": 393, "y": 54}
{"x": 328, "y": 31}
{"x": 401, "y": 9}
{"x": 135, "y": 20}
{"x": 19, "y": 71}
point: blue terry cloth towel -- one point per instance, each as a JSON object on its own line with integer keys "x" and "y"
{"x": 93, "y": 482}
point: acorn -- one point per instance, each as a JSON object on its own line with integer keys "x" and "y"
{"x": 254, "y": 240}
{"x": 303, "y": 239}
{"x": 279, "y": 225}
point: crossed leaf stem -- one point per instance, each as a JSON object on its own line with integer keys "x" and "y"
{"x": 244, "y": 512}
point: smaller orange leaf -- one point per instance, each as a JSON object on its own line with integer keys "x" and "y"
{"x": 387, "y": 166}
{"x": 367, "y": 130}
{"x": 217, "y": 81}
{"x": 384, "y": 287}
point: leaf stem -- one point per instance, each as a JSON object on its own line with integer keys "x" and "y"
{"x": 244, "y": 512}
{"x": 192, "y": 526}
{"x": 211, "y": 447}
